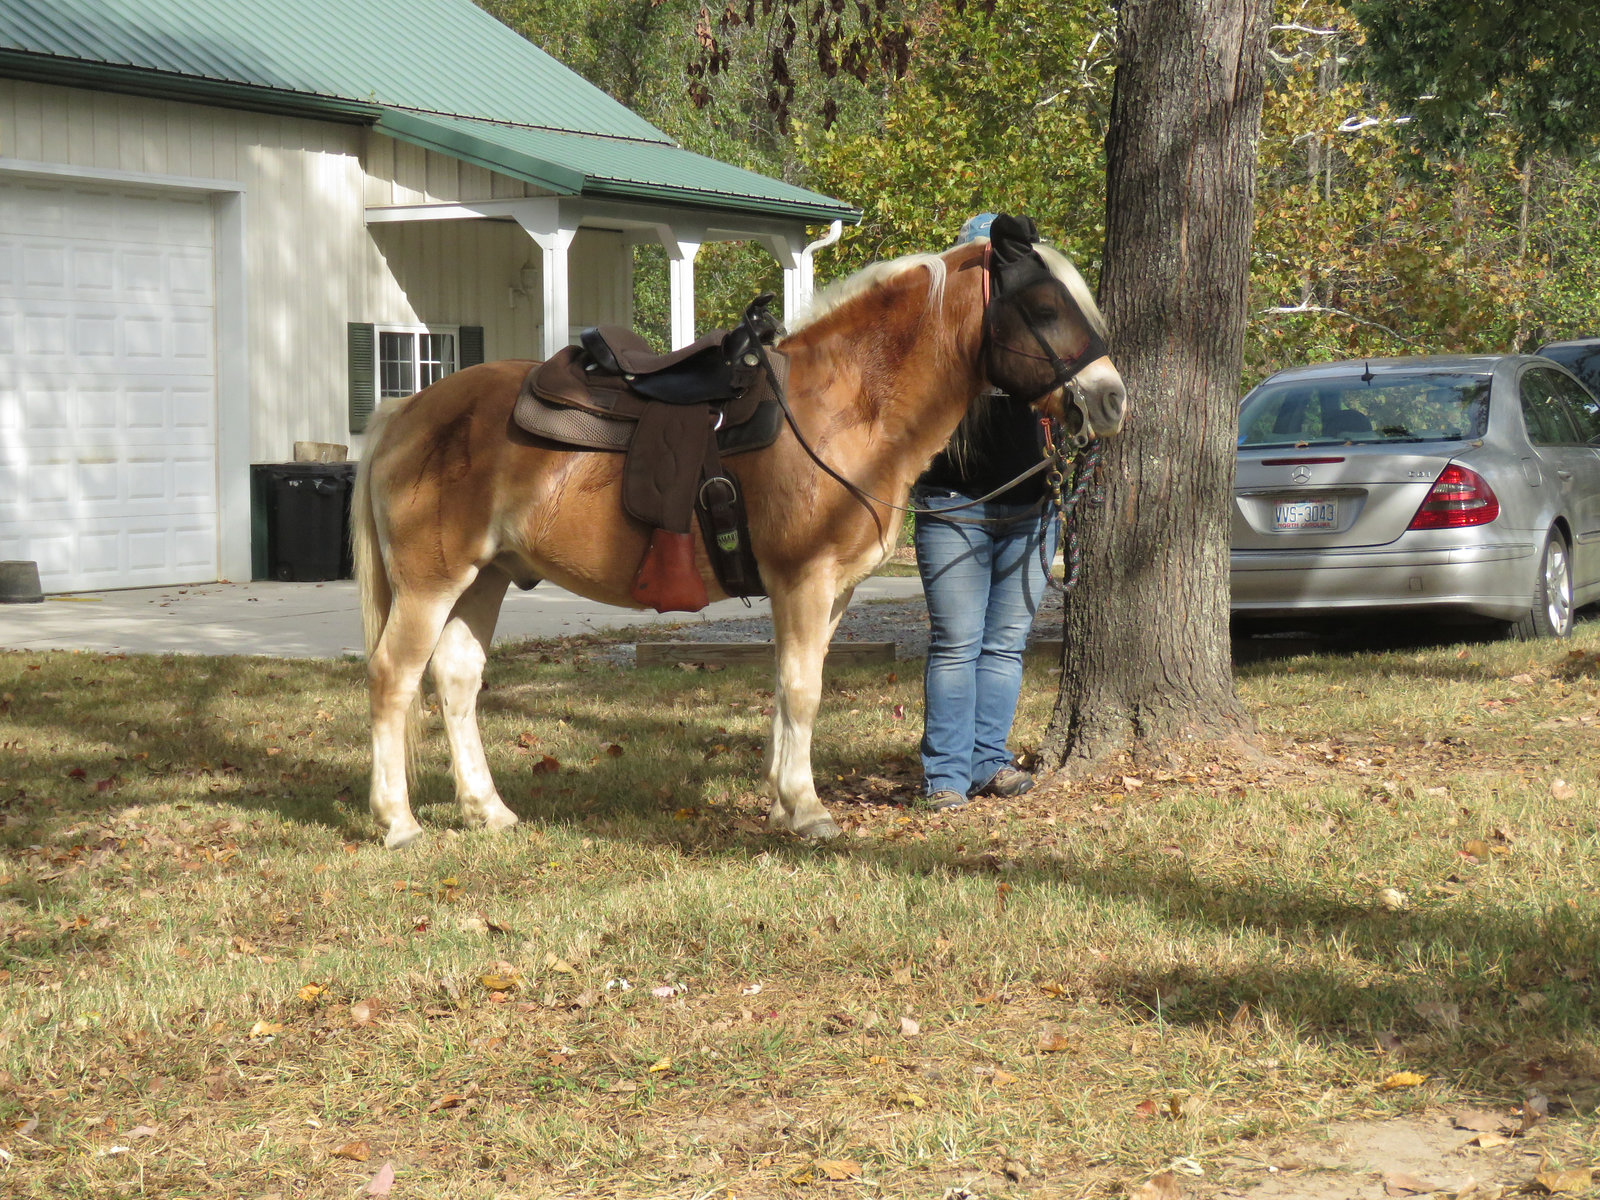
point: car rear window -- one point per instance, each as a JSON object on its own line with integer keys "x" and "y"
{"x": 1582, "y": 359}
{"x": 1386, "y": 408}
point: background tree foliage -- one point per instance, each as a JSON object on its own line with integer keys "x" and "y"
{"x": 1372, "y": 238}
{"x": 1467, "y": 71}
{"x": 1385, "y": 224}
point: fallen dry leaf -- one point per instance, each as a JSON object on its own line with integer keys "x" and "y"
{"x": 1535, "y": 1107}
{"x": 354, "y": 1151}
{"x": 1398, "y": 1183}
{"x": 1553, "y": 1182}
{"x": 365, "y": 1012}
{"x": 661, "y": 1064}
{"x": 1164, "y": 1186}
{"x": 1053, "y": 1041}
{"x": 1403, "y": 1079}
{"x": 498, "y": 983}
{"x": 262, "y": 1029}
{"x": 310, "y": 992}
{"x": 838, "y": 1169}
{"x": 909, "y": 1028}
{"x": 382, "y": 1181}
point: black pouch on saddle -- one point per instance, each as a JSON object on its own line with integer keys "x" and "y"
{"x": 727, "y": 536}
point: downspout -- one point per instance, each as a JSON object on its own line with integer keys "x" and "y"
{"x": 807, "y": 273}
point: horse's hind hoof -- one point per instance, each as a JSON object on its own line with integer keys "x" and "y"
{"x": 501, "y": 818}
{"x": 399, "y": 839}
{"x": 823, "y": 829}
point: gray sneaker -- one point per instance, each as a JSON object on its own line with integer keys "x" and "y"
{"x": 942, "y": 800}
{"x": 1007, "y": 781}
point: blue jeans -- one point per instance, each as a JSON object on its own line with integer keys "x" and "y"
{"x": 983, "y": 586}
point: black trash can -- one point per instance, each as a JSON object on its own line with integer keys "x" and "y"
{"x": 306, "y": 507}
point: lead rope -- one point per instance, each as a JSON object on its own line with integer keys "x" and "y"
{"x": 1085, "y": 485}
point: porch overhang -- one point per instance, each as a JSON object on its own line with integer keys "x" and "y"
{"x": 553, "y": 221}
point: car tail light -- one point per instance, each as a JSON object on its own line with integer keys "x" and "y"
{"x": 1459, "y": 498}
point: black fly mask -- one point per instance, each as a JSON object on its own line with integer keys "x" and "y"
{"x": 1029, "y": 314}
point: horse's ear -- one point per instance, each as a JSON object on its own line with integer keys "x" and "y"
{"x": 1012, "y": 237}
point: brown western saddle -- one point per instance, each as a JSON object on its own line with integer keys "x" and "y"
{"x": 675, "y": 417}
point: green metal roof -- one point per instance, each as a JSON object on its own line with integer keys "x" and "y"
{"x": 610, "y": 167}
{"x": 442, "y": 73}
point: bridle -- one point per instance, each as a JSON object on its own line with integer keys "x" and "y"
{"x": 1057, "y": 457}
{"x": 1063, "y": 371}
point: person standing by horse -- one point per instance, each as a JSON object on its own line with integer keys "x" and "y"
{"x": 983, "y": 568}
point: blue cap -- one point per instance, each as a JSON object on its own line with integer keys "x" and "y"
{"x": 976, "y": 227}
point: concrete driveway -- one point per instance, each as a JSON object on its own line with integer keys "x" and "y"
{"x": 313, "y": 620}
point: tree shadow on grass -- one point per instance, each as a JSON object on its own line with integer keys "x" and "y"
{"x": 92, "y": 740}
{"x": 1357, "y": 636}
{"x": 1521, "y": 984}
{"x": 190, "y": 718}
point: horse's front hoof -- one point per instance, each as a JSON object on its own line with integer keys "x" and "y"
{"x": 504, "y": 819}
{"x": 399, "y": 839}
{"x": 823, "y": 829}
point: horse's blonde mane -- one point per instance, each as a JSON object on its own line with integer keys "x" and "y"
{"x": 839, "y": 293}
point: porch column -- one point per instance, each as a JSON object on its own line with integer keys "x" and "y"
{"x": 542, "y": 220}
{"x": 557, "y": 296}
{"x": 796, "y": 272}
{"x": 680, "y": 275}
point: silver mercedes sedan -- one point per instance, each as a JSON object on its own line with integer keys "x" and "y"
{"x": 1451, "y": 487}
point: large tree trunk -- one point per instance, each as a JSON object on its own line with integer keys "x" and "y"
{"x": 1147, "y": 654}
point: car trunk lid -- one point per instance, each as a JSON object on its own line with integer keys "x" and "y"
{"x": 1330, "y": 496}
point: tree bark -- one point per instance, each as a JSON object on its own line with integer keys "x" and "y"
{"x": 1146, "y": 640}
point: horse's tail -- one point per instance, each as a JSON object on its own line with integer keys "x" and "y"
{"x": 372, "y": 574}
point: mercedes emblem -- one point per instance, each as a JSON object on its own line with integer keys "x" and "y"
{"x": 1301, "y": 474}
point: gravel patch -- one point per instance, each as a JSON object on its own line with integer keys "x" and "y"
{"x": 903, "y": 622}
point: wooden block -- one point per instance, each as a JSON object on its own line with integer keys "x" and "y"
{"x": 321, "y": 452}
{"x": 738, "y": 654}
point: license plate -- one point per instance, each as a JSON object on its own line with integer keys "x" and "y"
{"x": 1306, "y": 514}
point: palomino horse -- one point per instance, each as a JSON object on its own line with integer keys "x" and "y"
{"x": 453, "y": 502}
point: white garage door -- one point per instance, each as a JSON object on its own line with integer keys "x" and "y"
{"x": 107, "y": 386}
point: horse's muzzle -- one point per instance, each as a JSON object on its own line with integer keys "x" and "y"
{"x": 1099, "y": 398}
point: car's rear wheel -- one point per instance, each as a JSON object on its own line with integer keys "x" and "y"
{"x": 1549, "y": 612}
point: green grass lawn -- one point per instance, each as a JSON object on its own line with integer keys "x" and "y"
{"x": 214, "y": 982}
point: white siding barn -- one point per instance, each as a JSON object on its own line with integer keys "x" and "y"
{"x": 199, "y": 268}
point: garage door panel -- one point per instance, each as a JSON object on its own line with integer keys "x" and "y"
{"x": 44, "y": 268}
{"x": 164, "y": 337}
{"x": 107, "y": 555}
{"x": 93, "y": 486}
{"x": 140, "y": 411}
{"x": 107, "y": 385}
{"x": 46, "y": 335}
